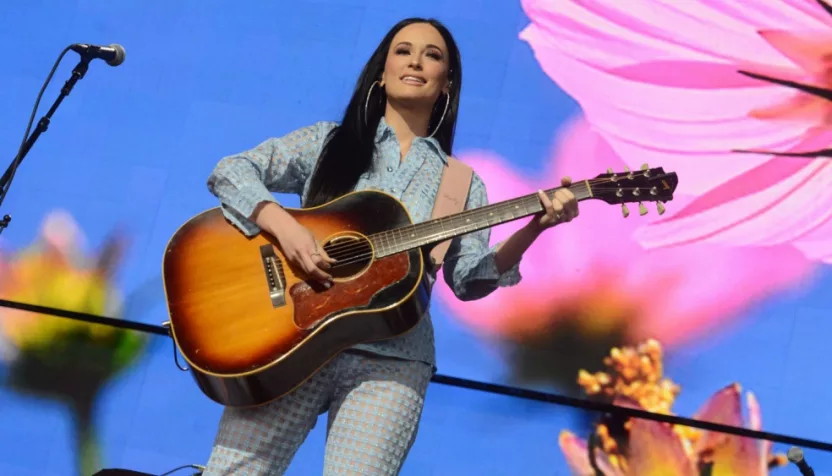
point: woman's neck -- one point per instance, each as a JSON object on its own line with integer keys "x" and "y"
{"x": 407, "y": 123}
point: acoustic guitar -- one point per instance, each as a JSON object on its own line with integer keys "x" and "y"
{"x": 253, "y": 327}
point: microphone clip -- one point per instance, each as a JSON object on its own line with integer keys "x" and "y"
{"x": 113, "y": 54}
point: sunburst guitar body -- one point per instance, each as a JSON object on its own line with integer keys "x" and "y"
{"x": 252, "y": 326}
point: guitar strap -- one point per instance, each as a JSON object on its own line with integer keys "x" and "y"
{"x": 450, "y": 199}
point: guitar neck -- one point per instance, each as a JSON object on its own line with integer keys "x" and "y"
{"x": 441, "y": 229}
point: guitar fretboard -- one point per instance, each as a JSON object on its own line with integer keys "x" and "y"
{"x": 440, "y": 229}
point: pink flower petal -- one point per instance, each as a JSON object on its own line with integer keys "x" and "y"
{"x": 687, "y": 74}
{"x": 731, "y": 454}
{"x": 660, "y": 81}
{"x": 577, "y": 456}
{"x": 755, "y": 422}
{"x": 804, "y": 49}
{"x": 662, "y": 28}
{"x": 724, "y": 407}
{"x": 663, "y": 125}
{"x": 667, "y": 28}
{"x": 779, "y": 202}
{"x": 655, "y": 450}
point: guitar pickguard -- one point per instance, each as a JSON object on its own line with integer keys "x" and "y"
{"x": 313, "y": 306}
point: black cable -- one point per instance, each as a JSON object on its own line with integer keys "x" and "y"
{"x": 534, "y": 395}
{"x": 6, "y": 181}
{"x": 627, "y": 412}
{"x": 82, "y": 316}
{"x": 192, "y": 466}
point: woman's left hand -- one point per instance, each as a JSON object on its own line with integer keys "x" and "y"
{"x": 563, "y": 207}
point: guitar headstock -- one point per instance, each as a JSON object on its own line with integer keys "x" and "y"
{"x": 645, "y": 185}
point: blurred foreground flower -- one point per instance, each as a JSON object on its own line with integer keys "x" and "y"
{"x": 588, "y": 286}
{"x": 634, "y": 377}
{"x": 683, "y": 83}
{"x": 62, "y": 359}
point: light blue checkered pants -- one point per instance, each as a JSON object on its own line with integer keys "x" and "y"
{"x": 374, "y": 404}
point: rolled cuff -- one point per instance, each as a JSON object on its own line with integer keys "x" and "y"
{"x": 239, "y": 209}
{"x": 484, "y": 278}
{"x": 487, "y": 269}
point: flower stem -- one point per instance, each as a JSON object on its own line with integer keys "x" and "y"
{"x": 88, "y": 457}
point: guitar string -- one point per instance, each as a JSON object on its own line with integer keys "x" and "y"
{"x": 361, "y": 251}
{"x": 341, "y": 249}
{"x": 353, "y": 252}
{"x": 361, "y": 244}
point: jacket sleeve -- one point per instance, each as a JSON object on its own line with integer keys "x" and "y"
{"x": 471, "y": 270}
{"x": 282, "y": 165}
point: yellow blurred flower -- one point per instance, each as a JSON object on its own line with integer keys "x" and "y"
{"x": 53, "y": 273}
{"x": 59, "y": 358}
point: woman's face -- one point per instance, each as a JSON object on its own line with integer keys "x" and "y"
{"x": 416, "y": 70}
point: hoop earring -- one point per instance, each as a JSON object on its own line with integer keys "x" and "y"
{"x": 367, "y": 102}
{"x": 447, "y": 103}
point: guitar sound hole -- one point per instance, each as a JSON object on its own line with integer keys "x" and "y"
{"x": 353, "y": 254}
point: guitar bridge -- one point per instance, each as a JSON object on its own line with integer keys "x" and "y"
{"x": 275, "y": 278}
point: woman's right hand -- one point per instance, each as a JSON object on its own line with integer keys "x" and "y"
{"x": 296, "y": 241}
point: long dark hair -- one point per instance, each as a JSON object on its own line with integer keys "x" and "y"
{"x": 348, "y": 150}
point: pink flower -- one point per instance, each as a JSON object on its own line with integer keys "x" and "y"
{"x": 590, "y": 273}
{"x": 683, "y": 84}
{"x": 635, "y": 379}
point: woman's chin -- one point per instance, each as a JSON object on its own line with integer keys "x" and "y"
{"x": 413, "y": 100}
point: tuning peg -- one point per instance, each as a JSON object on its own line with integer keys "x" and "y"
{"x": 626, "y": 169}
{"x": 624, "y": 210}
{"x": 609, "y": 170}
{"x": 660, "y": 208}
{"x": 644, "y": 166}
{"x": 642, "y": 210}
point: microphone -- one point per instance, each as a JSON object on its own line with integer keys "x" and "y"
{"x": 113, "y": 54}
{"x": 795, "y": 455}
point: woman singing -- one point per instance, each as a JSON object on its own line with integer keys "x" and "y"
{"x": 396, "y": 136}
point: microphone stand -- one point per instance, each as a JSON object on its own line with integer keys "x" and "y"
{"x": 5, "y": 181}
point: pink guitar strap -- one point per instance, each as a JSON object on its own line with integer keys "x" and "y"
{"x": 450, "y": 199}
